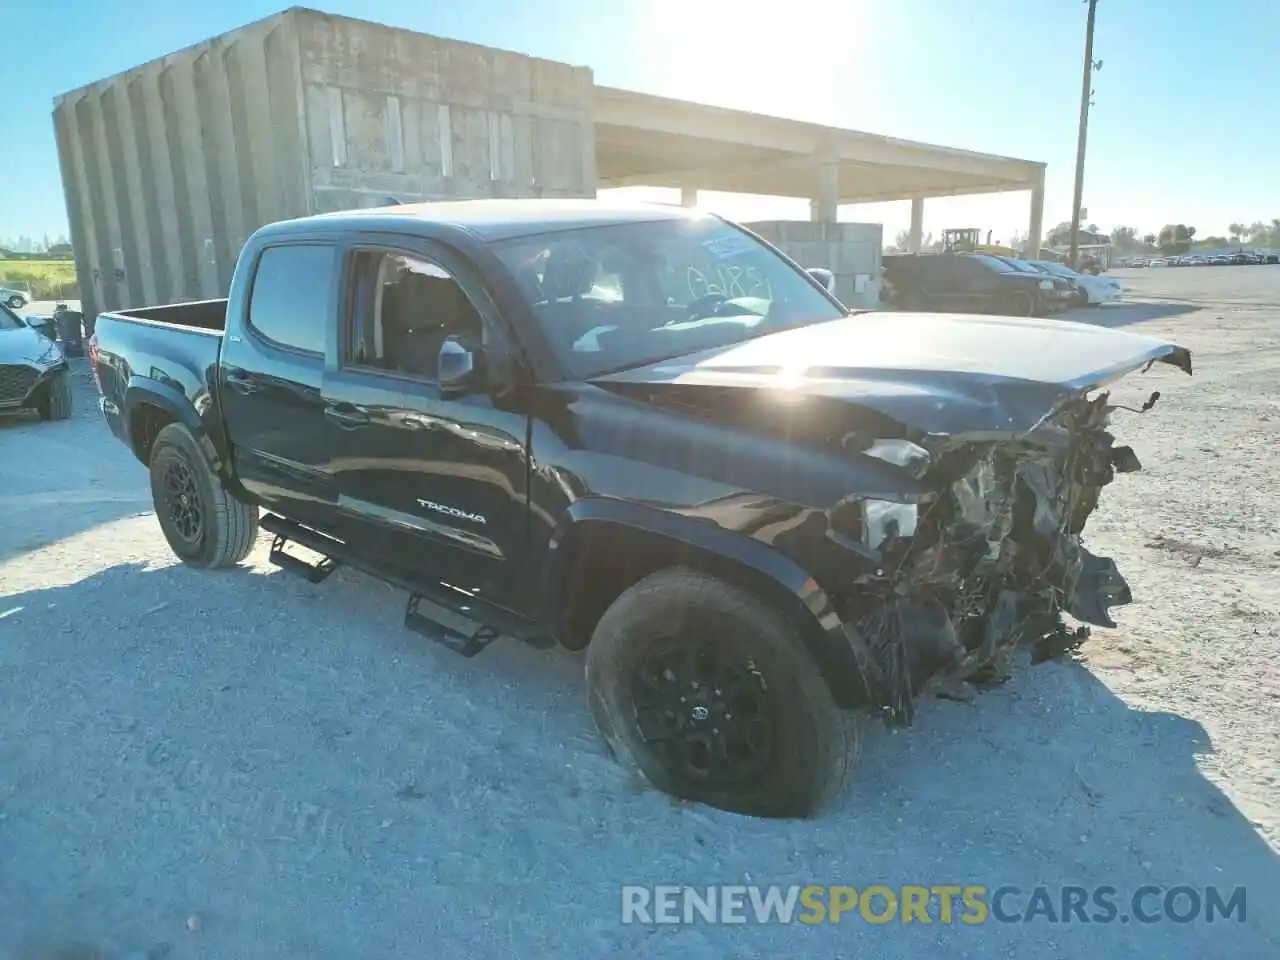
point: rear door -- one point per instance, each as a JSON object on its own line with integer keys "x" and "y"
{"x": 439, "y": 484}
{"x": 948, "y": 282}
{"x": 269, "y": 377}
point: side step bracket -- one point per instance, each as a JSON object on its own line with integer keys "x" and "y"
{"x": 421, "y": 622}
{"x": 312, "y": 572}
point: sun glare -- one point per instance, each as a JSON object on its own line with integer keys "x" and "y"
{"x": 770, "y": 58}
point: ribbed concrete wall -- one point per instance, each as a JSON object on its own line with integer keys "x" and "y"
{"x": 849, "y": 250}
{"x": 394, "y": 113}
{"x": 167, "y": 168}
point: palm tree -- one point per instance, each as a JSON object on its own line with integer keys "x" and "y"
{"x": 1236, "y": 230}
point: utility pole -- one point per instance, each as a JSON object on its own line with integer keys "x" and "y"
{"x": 1086, "y": 98}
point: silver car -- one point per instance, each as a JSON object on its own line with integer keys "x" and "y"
{"x": 13, "y": 299}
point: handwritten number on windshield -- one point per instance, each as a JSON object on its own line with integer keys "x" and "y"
{"x": 728, "y": 281}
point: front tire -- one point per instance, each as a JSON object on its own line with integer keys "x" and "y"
{"x": 708, "y": 691}
{"x": 55, "y": 404}
{"x": 204, "y": 525}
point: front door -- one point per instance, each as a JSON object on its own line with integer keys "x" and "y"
{"x": 439, "y": 483}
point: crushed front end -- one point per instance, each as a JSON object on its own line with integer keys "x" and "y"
{"x": 990, "y": 562}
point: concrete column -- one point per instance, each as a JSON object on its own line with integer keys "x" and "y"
{"x": 824, "y": 206}
{"x": 1035, "y": 229}
{"x": 915, "y": 236}
{"x": 688, "y": 196}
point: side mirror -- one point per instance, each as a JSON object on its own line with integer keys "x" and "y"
{"x": 459, "y": 368}
{"x": 824, "y": 277}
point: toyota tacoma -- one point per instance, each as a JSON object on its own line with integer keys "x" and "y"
{"x": 645, "y": 432}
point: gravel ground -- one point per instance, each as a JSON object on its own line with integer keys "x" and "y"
{"x": 243, "y": 765}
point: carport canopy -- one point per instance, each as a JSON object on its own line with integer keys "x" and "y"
{"x": 645, "y": 140}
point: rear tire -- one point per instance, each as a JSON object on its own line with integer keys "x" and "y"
{"x": 56, "y": 402}
{"x": 1022, "y": 305}
{"x": 16, "y": 303}
{"x": 790, "y": 749}
{"x": 205, "y": 526}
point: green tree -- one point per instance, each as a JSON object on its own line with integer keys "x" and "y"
{"x": 1124, "y": 239}
{"x": 1060, "y": 235}
{"x": 1175, "y": 238}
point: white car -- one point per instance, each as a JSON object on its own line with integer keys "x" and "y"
{"x": 1093, "y": 290}
{"x": 13, "y": 299}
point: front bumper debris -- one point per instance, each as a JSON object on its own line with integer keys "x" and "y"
{"x": 995, "y": 562}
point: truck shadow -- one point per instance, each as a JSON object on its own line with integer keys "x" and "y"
{"x": 1050, "y": 779}
{"x": 1128, "y": 313}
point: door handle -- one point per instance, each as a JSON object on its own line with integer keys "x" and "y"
{"x": 242, "y": 383}
{"x": 347, "y": 416}
{"x": 415, "y": 422}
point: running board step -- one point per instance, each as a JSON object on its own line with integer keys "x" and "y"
{"x": 312, "y": 572}
{"x": 466, "y": 644}
{"x": 492, "y": 623}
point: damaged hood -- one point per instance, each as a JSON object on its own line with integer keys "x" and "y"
{"x": 939, "y": 374}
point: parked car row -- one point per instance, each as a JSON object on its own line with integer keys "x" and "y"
{"x": 983, "y": 283}
{"x": 1239, "y": 259}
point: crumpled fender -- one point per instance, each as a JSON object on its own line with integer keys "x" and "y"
{"x": 731, "y": 556}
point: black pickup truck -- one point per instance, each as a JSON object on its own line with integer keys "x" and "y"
{"x": 646, "y": 433}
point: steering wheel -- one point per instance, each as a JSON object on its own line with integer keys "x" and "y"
{"x": 705, "y": 306}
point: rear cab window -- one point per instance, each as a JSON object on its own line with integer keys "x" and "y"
{"x": 289, "y": 300}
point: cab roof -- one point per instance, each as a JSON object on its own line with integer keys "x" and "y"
{"x": 494, "y": 220}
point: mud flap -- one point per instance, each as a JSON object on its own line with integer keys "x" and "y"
{"x": 1098, "y": 586}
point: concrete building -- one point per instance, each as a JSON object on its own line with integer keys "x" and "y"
{"x": 168, "y": 167}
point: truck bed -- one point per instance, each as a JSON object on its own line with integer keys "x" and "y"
{"x": 166, "y": 352}
{"x": 208, "y": 315}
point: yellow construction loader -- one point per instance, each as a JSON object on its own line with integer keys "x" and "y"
{"x": 969, "y": 240}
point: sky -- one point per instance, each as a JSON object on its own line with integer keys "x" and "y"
{"x": 1186, "y": 126}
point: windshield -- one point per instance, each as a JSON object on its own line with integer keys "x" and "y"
{"x": 609, "y": 298}
{"x": 1056, "y": 269}
{"x": 1020, "y": 265}
{"x": 995, "y": 264}
{"x": 9, "y": 320}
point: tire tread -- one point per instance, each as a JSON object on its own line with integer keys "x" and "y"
{"x": 829, "y": 761}
{"x": 232, "y": 526}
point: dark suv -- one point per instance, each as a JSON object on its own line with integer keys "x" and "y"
{"x": 967, "y": 283}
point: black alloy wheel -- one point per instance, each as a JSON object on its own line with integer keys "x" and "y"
{"x": 705, "y": 713}
{"x": 181, "y": 502}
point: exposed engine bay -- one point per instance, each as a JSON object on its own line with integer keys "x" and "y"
{"x": 990, "y": 563}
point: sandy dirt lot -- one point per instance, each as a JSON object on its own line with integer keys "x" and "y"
{"x": 245, "y": 766}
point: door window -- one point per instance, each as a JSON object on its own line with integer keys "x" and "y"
{"x": 404, "y": 308}
{"x": 289, "y": 303}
